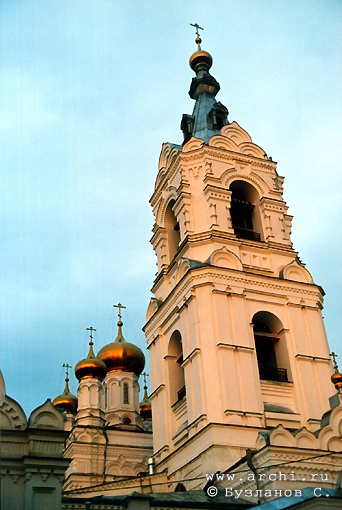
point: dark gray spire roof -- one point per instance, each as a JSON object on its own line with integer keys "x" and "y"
{"x": 209, "y": 115}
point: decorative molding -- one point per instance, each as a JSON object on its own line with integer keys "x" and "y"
{"x": 14, "y": 417}
{"x": 236, "y": 133}
{"x": 296, "y": 272}
{"x": 209, "y": 276}
{"x": 225, "y": 258}
{"x": 156, "y": 392}
{"x": 191, "y": 356}
{"x": 233, "y": 347}
{"x": 192, "y": 145}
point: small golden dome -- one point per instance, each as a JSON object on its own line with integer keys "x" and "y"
{"x": 145, "y": 407}
{"x": 66, "y": 402}
{"x": 122, "y": 355}
{"x": 336, "y": 379}
{"x": 200, "y": 57}
{"x": 91, "y": 366}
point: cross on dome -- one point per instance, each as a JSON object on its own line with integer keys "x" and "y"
{"x": 119, "y": 306}
{"x": 91, "y": 329}
{"x": 334, "y": 356}
{"x": 66, "y": 366}
{"x": 145, "y": 375}
{"x": 198, "y": 39}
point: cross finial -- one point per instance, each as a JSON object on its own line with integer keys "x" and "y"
{"x": 66, "y": 366}
{"x": 120, "y": 306}
{"x": 91, "y": 329}
{"x": 145, "y": 386}
{"x": 198, "y": 39}
{"x": 145, "y": 379}
{"x": 196, "y": 25}
{"x": 334, "y": 356}
{"x": 66, "y": 389}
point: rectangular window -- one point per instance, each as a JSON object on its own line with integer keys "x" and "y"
{"x": 125, "y": 393}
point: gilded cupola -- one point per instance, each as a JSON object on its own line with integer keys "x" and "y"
{"x": 122, "y": 355}
{"x": 66, "y": 402}
{"x": 145, "y": 405}
{"x": 336, "y": 378}
{"x": 91, "y": 366}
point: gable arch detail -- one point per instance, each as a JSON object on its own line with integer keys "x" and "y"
{"x": 279, "y": 436}
{"x": 228, "y": 177}
{"x": 225, "y": 258}
{"x": 171, "y": 195}
{"x": 193, "y": 144}
{"x": 12, "y": 415}
{"x": 306, "y": 439}
{"x": 222, "y": 142}
{"x": 296, "y": 272}
{"x": 251, "y": 149}
{"x": 183, "y": 267}
{"x": 236, "y": 133}
{"x": 167, "y": 156}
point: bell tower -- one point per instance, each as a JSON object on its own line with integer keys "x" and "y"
{"x": 235, "y": 332}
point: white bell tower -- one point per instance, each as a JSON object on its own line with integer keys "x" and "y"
{"x": 235, "y": 330}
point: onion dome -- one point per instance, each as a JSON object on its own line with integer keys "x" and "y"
{"x": 336, "y": 378}
{"x": 145, "y": 405}
{"x": 91, "y": 366}
{"x": 66, "y": 402}
{"x": 200, "y": 57}
{"x": 122, "y": 355}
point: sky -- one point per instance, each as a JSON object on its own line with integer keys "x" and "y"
{"x": 89, "y": 90}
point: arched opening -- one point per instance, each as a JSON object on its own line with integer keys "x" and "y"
{"x": 172, "y": 229}
{"x": 176, "y": 371}
{"x": 126, "y": 421}
{"x": 244, "y": 211}
{"x": 125, "y": 393}
{"x": 270, "y": 346}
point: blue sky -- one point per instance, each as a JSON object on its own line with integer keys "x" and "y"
{"x": 89, "y": 90}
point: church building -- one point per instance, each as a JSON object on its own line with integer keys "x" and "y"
{"x": 244, "y": 406}
{"x": 235, "y": 331}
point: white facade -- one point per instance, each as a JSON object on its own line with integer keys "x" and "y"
{"x": 235, "y": 330}
{"x": 32, "y": 464}
{"x": 109, "y": 440}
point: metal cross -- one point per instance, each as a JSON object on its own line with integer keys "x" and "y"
{"x": 196, "y": 25}
{"x": 334, "y": 356}
{"x": 91, "y": 329}
{"x": 120, "y": 306}
{"x": 145, "y": 378}
{"x": 65, "y": 365}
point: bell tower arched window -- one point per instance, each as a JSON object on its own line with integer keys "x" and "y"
{"x": 270, "y": 347}
{"x": 244, "y": 211}
{"x": 172, "y": 229}
{"x": 176, "y": 371}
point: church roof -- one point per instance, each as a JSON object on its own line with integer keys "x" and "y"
{"x": 307, "y": 494}
{"x": 196, "y": 499}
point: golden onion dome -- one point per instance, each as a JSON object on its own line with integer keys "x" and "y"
{"x": 66, "y": 402}
{"x": 336, "y": 379}
{"x": 145, "y": 406}
{"x": 122, "y": 355}
{"x": 91, "y": 366}
{"x": 200, "y": 57}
